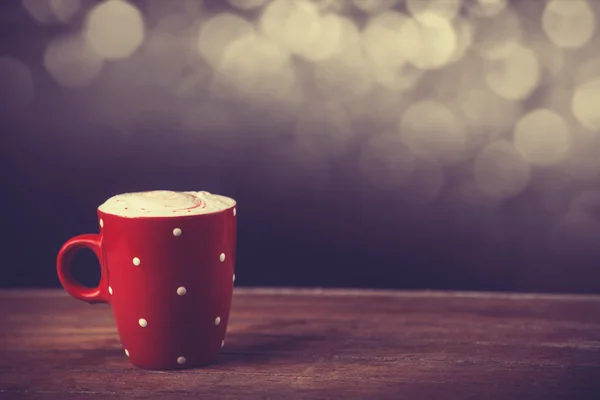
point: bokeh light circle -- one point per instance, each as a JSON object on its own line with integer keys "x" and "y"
{"x": 114, "y": 29}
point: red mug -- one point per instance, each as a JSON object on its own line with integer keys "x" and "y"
{"x": 167, "y": 264}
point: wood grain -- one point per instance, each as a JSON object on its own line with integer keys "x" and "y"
{"x": 319, "y": 344}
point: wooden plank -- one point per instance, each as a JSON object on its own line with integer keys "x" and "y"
{"x": 314, "y": 343}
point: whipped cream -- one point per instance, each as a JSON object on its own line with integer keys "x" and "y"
{"x": 165, "y": 203}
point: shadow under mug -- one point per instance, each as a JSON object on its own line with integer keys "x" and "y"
{"x": 168, "y": 280}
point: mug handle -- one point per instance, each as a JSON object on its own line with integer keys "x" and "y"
{"x": 63, "y": 267}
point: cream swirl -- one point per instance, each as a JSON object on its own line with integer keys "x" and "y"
{"x": 165, "y": 203}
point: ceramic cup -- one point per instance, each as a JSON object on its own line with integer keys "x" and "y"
{"x": 167, "y": 270}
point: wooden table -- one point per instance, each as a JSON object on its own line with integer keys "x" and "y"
{"x": 317, "y": 344}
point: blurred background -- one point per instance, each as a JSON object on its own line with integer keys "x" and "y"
{"x": 438, "y": 144}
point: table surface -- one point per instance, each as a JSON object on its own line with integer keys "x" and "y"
{"x": 317, "y": 344}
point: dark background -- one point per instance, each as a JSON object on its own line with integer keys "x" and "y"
{"x": 301, "y": 222}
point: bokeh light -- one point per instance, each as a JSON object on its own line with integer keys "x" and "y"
{"x": 542, "y": 137}
{"x": 568, "y": 23}
{"x": 114, "y": 29}
{"x": 438, "y": 41}
{"x": 327, "y": 42}
{"x": 253, "y": 66}
{"x": 390, "y": 39}
{"x": 218, "y": 32}
{"x": 432, "y": 131}
{"x": 292, "y": 24}
{"x": 486, "y": 114}
{"x": 71, "y": 62}
{"x": 586, "y": 104}
{"x": 470, "y": 100}
{"x": 516, "y": 76}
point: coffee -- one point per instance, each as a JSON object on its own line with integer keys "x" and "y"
{"x": 165, "y": 203}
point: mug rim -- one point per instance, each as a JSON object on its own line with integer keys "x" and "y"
{"x": 167, "y": 216}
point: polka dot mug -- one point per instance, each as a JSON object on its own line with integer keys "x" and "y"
{"x": 167, "y": 264}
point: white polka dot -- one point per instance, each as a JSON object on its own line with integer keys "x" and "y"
{"x": 126, "y": 352}
{"x": 181, "y": 291}
{"x": 101, "y": 223}
{"x": 143, "y": 323}
{"x": 110, "y": 290}
{"x": 234, "y": 212}
{"x": 176, "y": 232}
{"x": 181, "y": 360}
{"x": 222, "y": 257}
{"x": 136, "y": 261}
{"x": 222, "y": 343}
{"x": 217, "y": 320}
